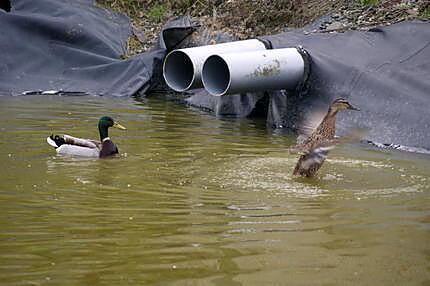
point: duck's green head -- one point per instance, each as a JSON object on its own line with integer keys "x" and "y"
{"x": 104, "y": 123}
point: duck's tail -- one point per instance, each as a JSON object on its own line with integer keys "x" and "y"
{"x": 55, "y": 140}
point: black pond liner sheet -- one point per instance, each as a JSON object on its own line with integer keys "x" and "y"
{"x": 75, "y": 47}
{"x": 384, "y": 71}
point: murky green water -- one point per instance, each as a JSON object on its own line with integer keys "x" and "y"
{"x": 196, "y": 200}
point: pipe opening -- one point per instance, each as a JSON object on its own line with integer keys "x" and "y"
{"x": 216, "y": 75}
{"x": 5, "y": 5}
{"x": 178, "y": 71}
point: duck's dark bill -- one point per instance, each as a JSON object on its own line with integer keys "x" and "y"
{"x": 353, "y": 108}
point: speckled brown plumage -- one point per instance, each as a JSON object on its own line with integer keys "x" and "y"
{"x": 317, "y": 145}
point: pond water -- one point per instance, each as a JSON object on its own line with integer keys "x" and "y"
{"x": 199, "y": 200}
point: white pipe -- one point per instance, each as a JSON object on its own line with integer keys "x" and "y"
{"x": 182, "y": 68}
{"x": 253, "y": 71}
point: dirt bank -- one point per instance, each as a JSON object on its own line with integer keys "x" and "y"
{"x": 249, "y": 18}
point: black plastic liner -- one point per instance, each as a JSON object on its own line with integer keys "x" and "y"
{"x": 384, "y": 71}
{"x": 74, "y": 47}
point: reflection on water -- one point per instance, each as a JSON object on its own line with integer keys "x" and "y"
{"x": 196, "y": 200}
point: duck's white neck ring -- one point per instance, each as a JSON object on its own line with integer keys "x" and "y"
{"x": 105, "y": 139}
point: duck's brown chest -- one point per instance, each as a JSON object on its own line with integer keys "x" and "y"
{"x": 108, "y": 149}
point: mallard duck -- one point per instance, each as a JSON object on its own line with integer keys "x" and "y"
{"x": 316, "y": 147}
{"x": 69, "y": 145}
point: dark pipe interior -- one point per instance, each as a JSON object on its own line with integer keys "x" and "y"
{"x": 216, "y": 75}
{"x": 5, "y": 5}
{"x": 178, "y": 71}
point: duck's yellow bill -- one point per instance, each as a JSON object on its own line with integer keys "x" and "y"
{"x": 119, "y": 126}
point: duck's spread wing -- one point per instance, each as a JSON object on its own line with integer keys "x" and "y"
{"x": 316, "y": 140}
{"x": 309, "y": 124}
{"x": 309, "y": 163}
{"x": 297, "y": 149}
{"x": 311, "y": 159}
{"x": 315, "y": 156}
{"x": 312, "y": 142}
{"x": 88, "y": 143}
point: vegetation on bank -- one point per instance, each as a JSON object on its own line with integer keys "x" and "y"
{"x": 425, "y": 13}
{"x": 249, "y": 18}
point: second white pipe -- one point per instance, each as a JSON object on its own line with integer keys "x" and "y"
{"x": 230, "y": 73}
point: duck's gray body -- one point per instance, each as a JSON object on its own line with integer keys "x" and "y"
{"x": 78, "y": 151}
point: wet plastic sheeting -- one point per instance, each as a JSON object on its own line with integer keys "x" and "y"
{"x": 74, "y": 46}
{"x": 384, "y": 71}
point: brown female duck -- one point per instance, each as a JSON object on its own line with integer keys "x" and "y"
{"x": 316, "y": 147}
